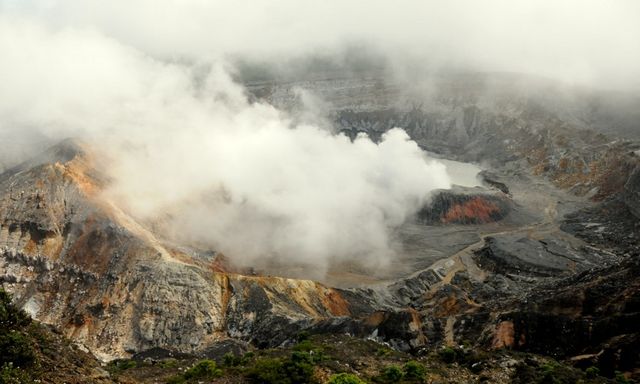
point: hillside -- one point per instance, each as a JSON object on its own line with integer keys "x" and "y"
{"x": 539, "y": 257}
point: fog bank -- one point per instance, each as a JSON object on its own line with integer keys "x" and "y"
{"x": 188, "y": 150}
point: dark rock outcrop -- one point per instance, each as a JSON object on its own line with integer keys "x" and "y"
{"x": 465, "y": 206}
{"x": 593, "y": 313}
{"x": 520, "y": 255}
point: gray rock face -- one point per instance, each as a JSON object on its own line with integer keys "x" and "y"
{"x": 520, "y": 255}
{"x": 631, "y": 195}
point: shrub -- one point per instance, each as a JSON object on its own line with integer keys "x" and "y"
{"x": 16, "y": 348}
{"x": 303, "y": 335}
{"x": 305, "y": 345}
{"x": 550, "y": 372}
{"x": 178, "y": 379}
{"x": 592, "y": 372}
{"x": 231, "y": 360}
{"x": 345, "y": 378}
{"x": 447, "y": 355}
{"x": 168, "y": 363}
{"x": 10, "y": 316}
{"x": 620, "y": 378}
{"x": 123, "y": 365}
{"x": 299, "y": 368}
{"x": 13, "y": 375}
{"x": 414, "y": 371}
{"x": 116, "y": 367}
{"x": 204, "y": 369}
{"x": 392, "y": 374}
{"x": 269, "y": 371}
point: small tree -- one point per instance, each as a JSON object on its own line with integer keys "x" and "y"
{"x": 447, "y": 354}
{"x": 16, "y": 346}
{"x": 592, "y": 372}
{"x": 204, "y": 369}
{"x": 270, "y": 371}
{"x": 414, "y": 371}
{"x": 10, "y": 316}
{"x": 392, "y": 374}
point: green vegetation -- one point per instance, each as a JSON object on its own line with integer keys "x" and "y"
{"x": 620, "y": 378}
{"x": 339, "y": 359}
{"x": 117, "y": 366}
{"x": 345, "y": 378}
{"x": 592, "y": 372}
{"x": 13, "y": 375}
{"x": 28, "y": 351}
{"x": 470, "y": 358}
{"x": 204, "y": 369}
{"x": 298, "y": 368}
{"x": 268, "y": 371}
{"x": 392, "y": 374}
{"x": 168, "y": 363}
{"x": 554, "y": 372}
{"x": 231, "y": 360}
{"x": 17, "y": 350}
{"x": 447, "y": 355}
{"x": 303, "y": 335}
{"x": 414, "y": 371}
{"x": 10, "y": 316}
{"x": 305, "y": 345}
{"x": 16, "y": 347}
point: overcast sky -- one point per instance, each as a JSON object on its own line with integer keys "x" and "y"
{"x": 582, "y": 41}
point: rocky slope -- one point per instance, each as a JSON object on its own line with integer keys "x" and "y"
{"x": 73, "y": 259}
{"x": 33, "y": 353}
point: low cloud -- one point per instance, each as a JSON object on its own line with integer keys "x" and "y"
{"x": 588, "y": 42}
{"x": 189, "y": 151}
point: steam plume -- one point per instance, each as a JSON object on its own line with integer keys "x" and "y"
{"x": 237, "y": 176}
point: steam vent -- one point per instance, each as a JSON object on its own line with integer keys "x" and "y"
{"x": 320, "y": 192}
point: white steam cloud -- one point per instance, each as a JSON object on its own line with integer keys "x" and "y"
{"x": 148, "y": 82}
{"x": 187, "y": 148}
